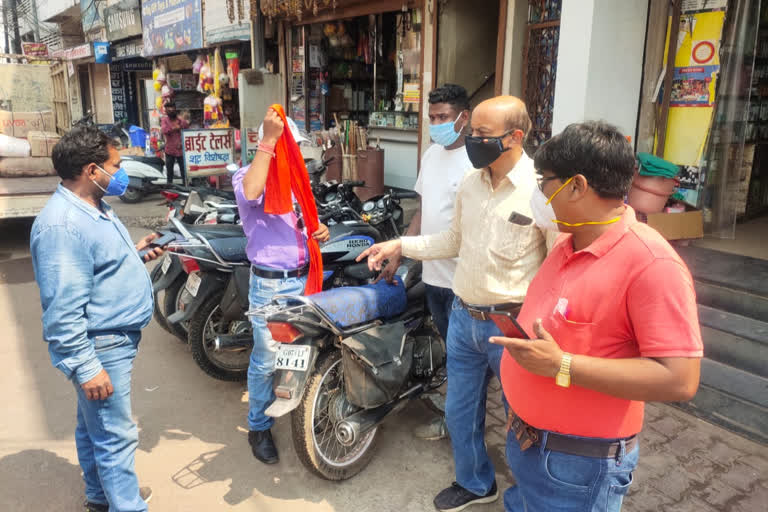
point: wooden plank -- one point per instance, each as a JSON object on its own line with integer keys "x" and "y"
{"x": 674, "y": 28}
{"x": 656, "y": 32}
{"x": 501, "y": 41}
{"x": 20, "y": 186}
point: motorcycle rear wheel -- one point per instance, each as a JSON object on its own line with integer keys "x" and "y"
{"x": 317, "y": 447}
{"x": 158, "y": 313}
{"x": 205, "y": 323}
{"x": 171, "y": 302}
{"x": 132, "y": 195}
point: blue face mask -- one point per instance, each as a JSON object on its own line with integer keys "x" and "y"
{"x": 444, "y": 134}
{"x": 118, "y": 182}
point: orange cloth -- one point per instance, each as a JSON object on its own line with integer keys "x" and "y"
{"x": 287, "y": 173}
{"x": 626, "y": 295}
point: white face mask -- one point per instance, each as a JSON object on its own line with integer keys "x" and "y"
{"x": 543, "y": 213}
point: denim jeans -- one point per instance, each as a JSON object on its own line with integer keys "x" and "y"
{"x": 548, "y": 480}
{"x": 440, "y": 303}
{"x": 472, "y": 361}
{"x": 106, "y": 436}
{"x": 261, "y": 368}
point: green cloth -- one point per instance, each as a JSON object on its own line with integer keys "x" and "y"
{"x": 651, "y": 165}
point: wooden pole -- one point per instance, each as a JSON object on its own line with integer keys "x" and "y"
{"x": 674, "y": 30}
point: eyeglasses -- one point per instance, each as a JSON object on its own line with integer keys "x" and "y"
{"x": 541, "y": 180}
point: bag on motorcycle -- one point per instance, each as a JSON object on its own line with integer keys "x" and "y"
{"x": 376, "y": 364}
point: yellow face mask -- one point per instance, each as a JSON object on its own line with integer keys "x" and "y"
{"x": 577, "y": 224}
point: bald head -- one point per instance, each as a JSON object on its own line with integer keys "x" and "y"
{"x": 499, "y": 115}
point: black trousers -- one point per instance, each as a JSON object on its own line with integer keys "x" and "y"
{"x": 170, "y": 160}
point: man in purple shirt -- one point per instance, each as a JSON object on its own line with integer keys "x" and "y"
{"x": 171, "y": 125}
{"x": 277, "y": 249}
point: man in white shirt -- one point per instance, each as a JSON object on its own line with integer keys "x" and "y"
{"x": 443, "y": 166}
{"x": 499, "y": 249}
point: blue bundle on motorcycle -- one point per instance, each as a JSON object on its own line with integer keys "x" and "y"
{"x": 352, "y": 305}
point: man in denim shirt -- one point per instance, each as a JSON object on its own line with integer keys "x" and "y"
{"x": 96, "y": 297}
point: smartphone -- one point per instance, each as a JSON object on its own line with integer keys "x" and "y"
{"x": 508, "y": 325}
{"x": 158, "y": 242}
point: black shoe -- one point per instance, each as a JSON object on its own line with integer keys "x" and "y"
{"x": 457, "y": 498}
{"x": 263, "y": 446}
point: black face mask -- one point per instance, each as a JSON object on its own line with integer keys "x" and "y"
{"x": 173, "y": 115}
{"x": 483, "y": 151}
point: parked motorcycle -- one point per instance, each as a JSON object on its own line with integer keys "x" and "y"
{"x": 348, "y": 359}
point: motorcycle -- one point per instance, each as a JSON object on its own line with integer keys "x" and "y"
{"x": 214, "y": 298}
{"x": 348, "y": 359}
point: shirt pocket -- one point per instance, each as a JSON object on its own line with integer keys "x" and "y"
{"x": 508, "y": 240}
{"x": 574, "y": 337}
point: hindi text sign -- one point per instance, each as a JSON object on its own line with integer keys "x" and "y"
{"x": 207, "y": 152}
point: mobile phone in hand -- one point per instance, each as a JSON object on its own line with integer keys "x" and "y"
{"x": 508, "y": 325}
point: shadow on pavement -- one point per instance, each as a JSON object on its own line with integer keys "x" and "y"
{"x": 27, "y": 475}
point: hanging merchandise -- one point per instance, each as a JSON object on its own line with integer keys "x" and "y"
{"x": 212, "y": 110}
{"x": 198, "y": 64}
{"x": 205, "y": 84}
{"x": 218, "y": 69}
{"x": 233, "y": 68}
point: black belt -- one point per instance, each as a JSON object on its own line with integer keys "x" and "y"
{"x": 280, "y": 274}
{"x": 482, "y": 313}
{"x": 529, "y": 436}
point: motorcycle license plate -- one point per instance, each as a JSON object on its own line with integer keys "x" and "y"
{"x": 193, "y": 283}
{"x": 292, "y": 357}
{"x": 166, "y": 264}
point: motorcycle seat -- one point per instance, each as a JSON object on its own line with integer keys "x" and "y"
{"x": 149, "y": 160}
{"x": 213, "y": 231}
{"x": 230, "y": 249}
{"x": 353, "y": 305}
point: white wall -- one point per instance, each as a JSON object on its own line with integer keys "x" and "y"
{"x": 49, "y": 8}
{"x": 600, "y": 63}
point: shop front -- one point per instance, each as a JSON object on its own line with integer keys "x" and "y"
{"x": 370, "y": 65}
{"x": 89, "y": 84}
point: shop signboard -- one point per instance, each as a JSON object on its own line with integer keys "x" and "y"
{"x": 117, "y": 84}
{"x": 101, "y": 52}
{"x": 78, "y": 52}
{"x": 251, "y": 144}
{"x": 171, "y": 26}
{"x": 219, "y": 28}
{"x": 92, "y": 15}
{"x": 35, "y": 49}
{"x": 129, "y": 49}
{"x": 123, "y": 20}
{"x": 207, "y": 151}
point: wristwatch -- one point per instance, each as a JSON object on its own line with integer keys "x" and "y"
{"x": 563, "y": 377}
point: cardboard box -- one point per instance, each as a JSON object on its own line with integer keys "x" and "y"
{"x": 678, "y": 226}
{"x": 41, "y": 143}
{"x": 19, "y": 124}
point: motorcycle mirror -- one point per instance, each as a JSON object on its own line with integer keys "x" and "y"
{"x": 232, "y": 168}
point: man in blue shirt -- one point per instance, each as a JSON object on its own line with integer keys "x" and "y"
{"x": 96, "y": 297}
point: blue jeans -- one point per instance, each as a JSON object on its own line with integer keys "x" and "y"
{"x": 548, "y": 480}
{"x": 261, "y": 368}
{"x": 472, "y": 361}
{"x": 440, "y": 303}
{"x": 106, "y": 436}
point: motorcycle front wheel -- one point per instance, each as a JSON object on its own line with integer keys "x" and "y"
{"x": 132, "y": 195}
{"x": 204, "y": 327}
{"x": 314, "y": 421}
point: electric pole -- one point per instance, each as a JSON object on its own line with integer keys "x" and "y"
{"x": 12, "y": 7}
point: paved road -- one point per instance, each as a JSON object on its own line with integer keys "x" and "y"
{"x": 193, "y": 449}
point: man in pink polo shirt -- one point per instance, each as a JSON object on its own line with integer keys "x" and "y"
{"x": 613, "y": 323}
